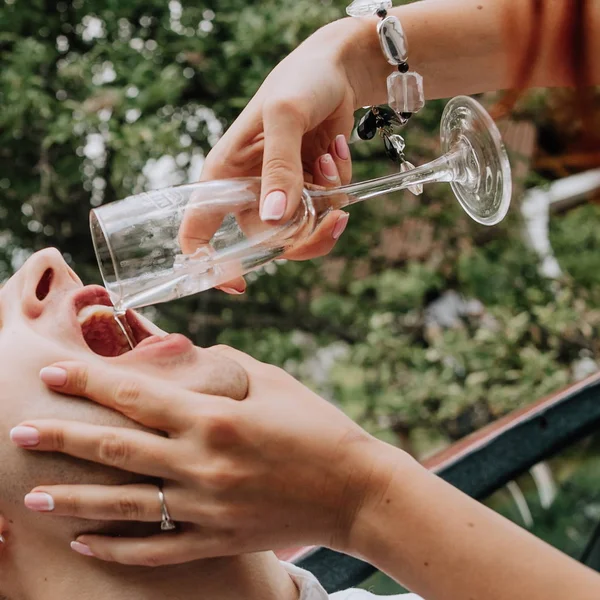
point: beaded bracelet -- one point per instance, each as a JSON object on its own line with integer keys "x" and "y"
{"x": 405, "y": 87}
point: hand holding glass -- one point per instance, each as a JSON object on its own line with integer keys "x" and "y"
{"x": 162, "y": 245}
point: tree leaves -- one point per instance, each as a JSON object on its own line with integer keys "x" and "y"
{"x": 92, "y": 94}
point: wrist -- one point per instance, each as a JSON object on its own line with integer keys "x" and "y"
{"x": 388, "y": 502}
{"x": 365, "y": 65}
{"x": 379, "y": 465}
{"x": 358, "y": 53}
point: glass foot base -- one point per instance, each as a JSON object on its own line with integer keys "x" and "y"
{"x": 485, "y": 189}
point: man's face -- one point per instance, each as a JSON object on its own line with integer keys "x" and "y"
{"x": 47, "y": 315}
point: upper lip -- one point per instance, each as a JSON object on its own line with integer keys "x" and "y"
{"x": 89, "y": 295}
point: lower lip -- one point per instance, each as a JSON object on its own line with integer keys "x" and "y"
{"x": 170, "y": 345}
{"x": 150, "y": 341}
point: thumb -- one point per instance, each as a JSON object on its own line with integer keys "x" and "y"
{"x": 282, "y": 173}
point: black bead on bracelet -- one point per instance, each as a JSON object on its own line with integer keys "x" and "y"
{"x": 405, "y": 87}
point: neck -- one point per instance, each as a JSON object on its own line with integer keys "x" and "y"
{"x": 62, "y": 574}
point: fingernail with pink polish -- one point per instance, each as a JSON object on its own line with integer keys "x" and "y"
{"x": 328, "y": 168}
{"x": 81, "y": 549}
{"x": 341, "y": 147}
{"x": 340, "y": 226}
{"x": 26, "y": 437}
{"x": 230, "y": 290}
{"x": 54, "y": 376}
{"x": 274, "y": 206}
{"x": 39, "y": 502}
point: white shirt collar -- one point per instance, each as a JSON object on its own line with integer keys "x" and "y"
{"x": 307, "y": 584}
{"x": 311, "y": 589}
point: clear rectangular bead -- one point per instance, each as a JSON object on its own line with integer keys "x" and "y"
{"x": 405, "y": 92}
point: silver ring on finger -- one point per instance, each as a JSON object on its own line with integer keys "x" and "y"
{"x": 167, "y": 524}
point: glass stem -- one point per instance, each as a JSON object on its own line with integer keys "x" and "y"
{"x": 444, "y": 169}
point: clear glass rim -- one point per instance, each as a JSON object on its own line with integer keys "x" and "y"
{"x": 102, "y": 248}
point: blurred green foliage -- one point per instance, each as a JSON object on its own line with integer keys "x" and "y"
{"x": 91, "y": 91}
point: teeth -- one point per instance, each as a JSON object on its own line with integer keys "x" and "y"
{"x": 94, "y": 310}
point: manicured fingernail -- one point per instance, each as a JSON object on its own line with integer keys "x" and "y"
{"x": 39, "y": 502}
{"x": 340, "y": 226}
{"x": 274, "y": 206}
{"x": 81, "y": 549}
{"x": 328, "y": 168}
{"x": 26, "y": 437}
{"x": 230, "y": 290}
{"x": 54, "y": 376}
{"x": 341, "y": 147}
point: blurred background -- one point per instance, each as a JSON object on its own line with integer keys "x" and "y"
{"x": 423, "y": 326}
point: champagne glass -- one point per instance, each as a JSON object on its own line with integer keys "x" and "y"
{"x": 162, "y": 245}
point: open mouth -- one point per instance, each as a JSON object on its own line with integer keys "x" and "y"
{"x": 102, "y": 331}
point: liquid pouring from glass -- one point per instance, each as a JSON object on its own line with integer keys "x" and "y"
{"x": 162, "y": 245}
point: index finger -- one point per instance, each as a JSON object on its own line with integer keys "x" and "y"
{"x": 146, "y": 401}
{"x": 239, "y": 152}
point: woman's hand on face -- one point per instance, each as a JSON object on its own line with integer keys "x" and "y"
{"x": 279, "y": 469}
{"x": 294, "y": 130}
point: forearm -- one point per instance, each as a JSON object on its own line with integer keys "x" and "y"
{"x": 445, "y": 546}
{"x": 469, "y": 46}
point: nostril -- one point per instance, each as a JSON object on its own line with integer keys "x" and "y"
{"x": 43, "y": 287}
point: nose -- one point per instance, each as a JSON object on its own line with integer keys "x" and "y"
{"x": 45, "y": 274}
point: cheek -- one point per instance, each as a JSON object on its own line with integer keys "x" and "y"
{"x": 24, "y": 352}
{"x": 23, "y": 396}
{"x": 21, "y": 390}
